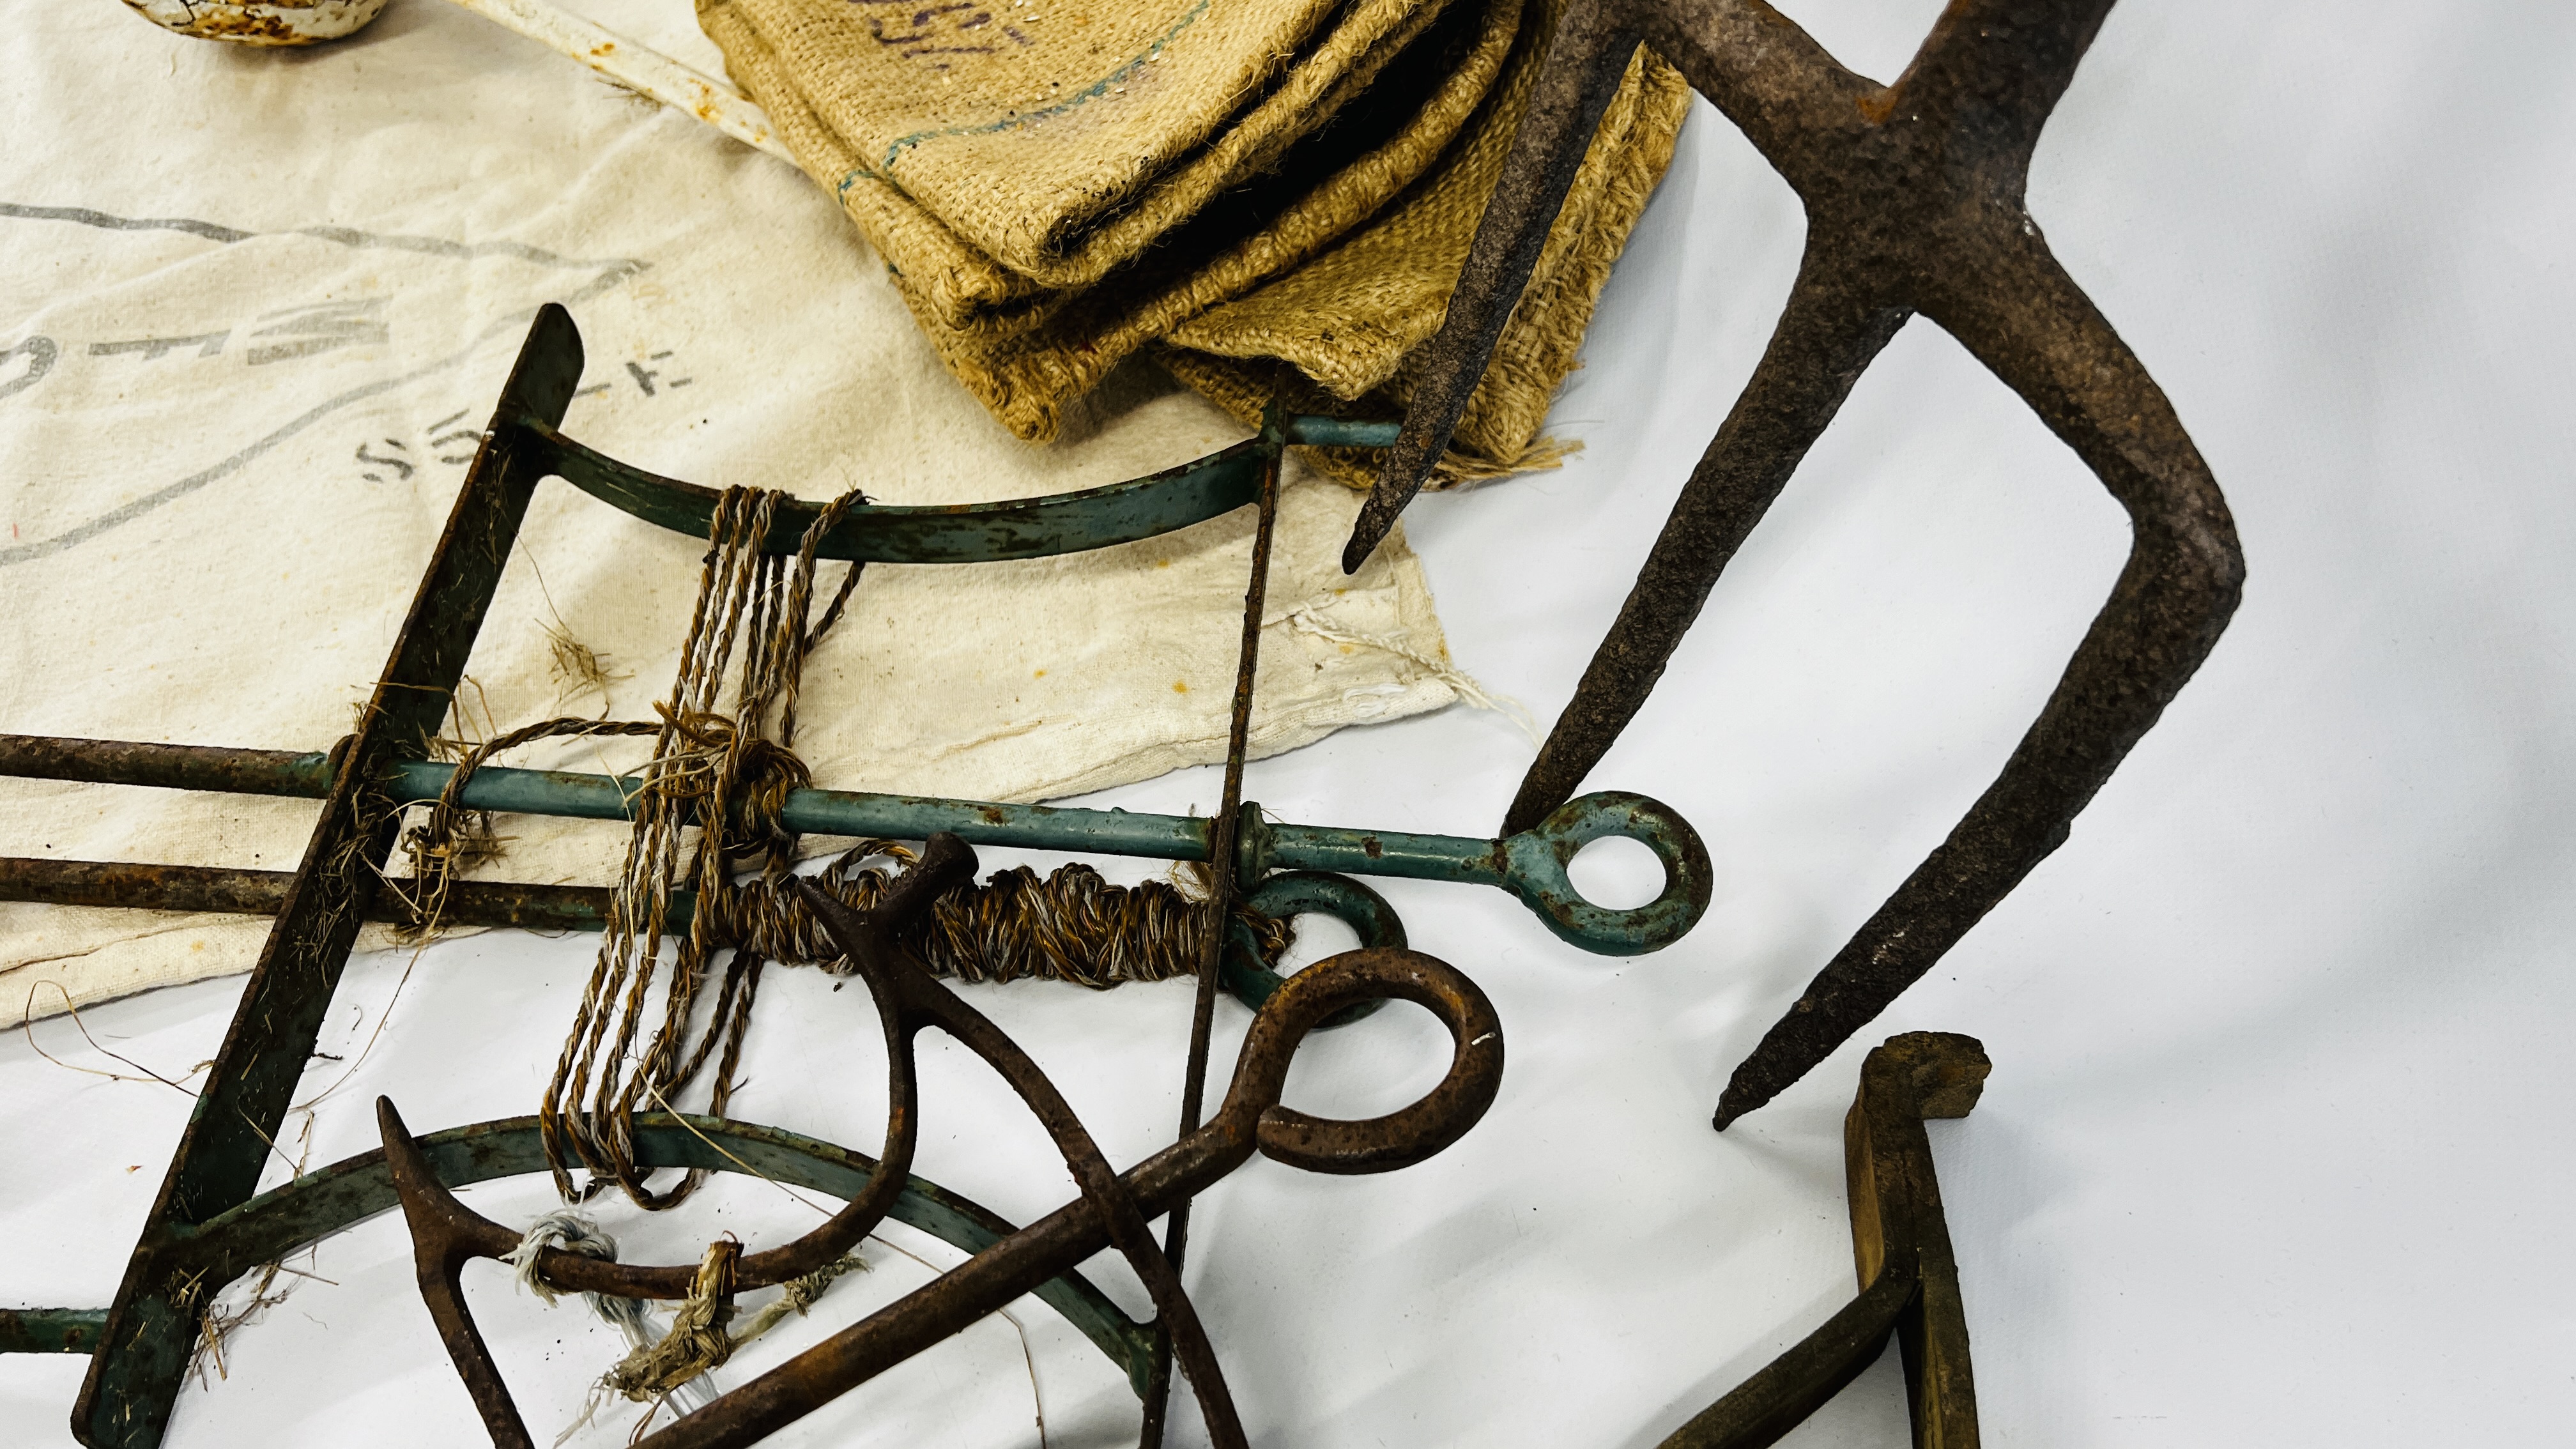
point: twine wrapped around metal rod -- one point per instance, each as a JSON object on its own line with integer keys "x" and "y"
{"x": 731, "y": 773}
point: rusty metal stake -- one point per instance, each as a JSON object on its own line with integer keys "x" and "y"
{"x": 1914, "y": 201}
{"x": 470, "y": 903}
{"x": 1228, "y": 825}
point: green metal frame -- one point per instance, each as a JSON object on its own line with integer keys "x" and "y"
{"x": 1058, "y": 523}
{"x": 338, "y": 1197}
{"x": 206, "y": 1226}
{"x": 153, "y": 1324}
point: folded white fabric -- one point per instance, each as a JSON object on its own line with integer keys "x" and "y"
{"x": 243, "y": 362}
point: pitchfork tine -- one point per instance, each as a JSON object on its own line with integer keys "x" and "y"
{"x": 1816, "y": 353}
{"x": 2026, "y": 319}
{"x": 1585, "y": 62}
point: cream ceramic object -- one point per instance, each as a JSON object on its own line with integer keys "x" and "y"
{"x": 260, "y": 22}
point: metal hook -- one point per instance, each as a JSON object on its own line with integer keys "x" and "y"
{"x": 1113, "y": 1209}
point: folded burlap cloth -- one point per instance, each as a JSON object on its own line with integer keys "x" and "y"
{"x": 1277, "y": 193}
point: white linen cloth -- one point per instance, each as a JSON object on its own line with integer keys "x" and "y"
{"x": 246, "y": 348}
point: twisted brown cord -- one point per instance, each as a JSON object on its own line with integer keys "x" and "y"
{"x": 453, "y": 838}
{"x": 697, "y": 1341}
{"x": 729, "y": 776}
{"x": 1072, "y": 925}
{"x": 734, "y": 772}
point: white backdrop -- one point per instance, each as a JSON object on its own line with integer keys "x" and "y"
{"x": 2276, "y": 1125}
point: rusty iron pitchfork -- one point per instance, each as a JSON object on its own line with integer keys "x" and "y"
{"x": 1914, "y": 202}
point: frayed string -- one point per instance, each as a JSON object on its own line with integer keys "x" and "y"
{"x": 573, "y": 1233}
{"x": 1305, "y": 621}
{"x": 673, "y": 1365}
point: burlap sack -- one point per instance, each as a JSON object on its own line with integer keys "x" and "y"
{"x": 1338, "y": 261}
{"x": 992, "y": 148}
{"x": 1344, "y": 303}
{"x": 1339, "y": 329}
{"x": 1388, "y": 142}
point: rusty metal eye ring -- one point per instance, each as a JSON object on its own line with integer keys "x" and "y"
{"x": 1306, "y": 893}
{"x": 1309, "y": 1001}
{"x": 1541, "y": 854}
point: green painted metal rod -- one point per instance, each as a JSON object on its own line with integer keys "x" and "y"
{"x": 50, "y": 1330}
{"x": 1530, "y": 865}
{"x": 327, "y": 1200}
{"x": 1058, "y": 523}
